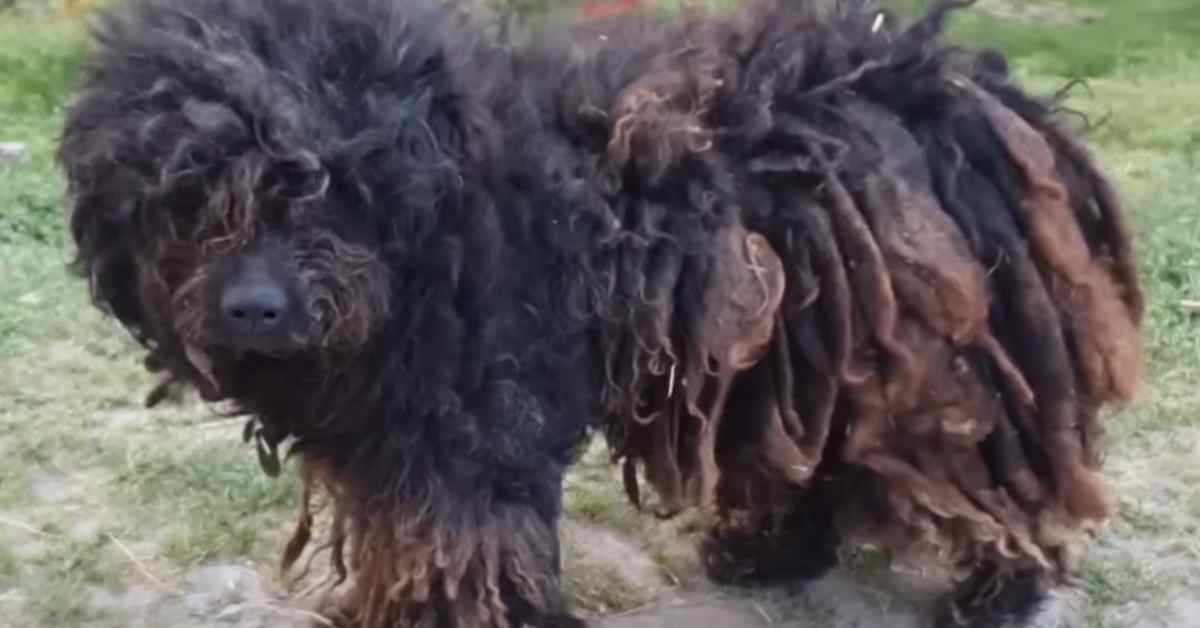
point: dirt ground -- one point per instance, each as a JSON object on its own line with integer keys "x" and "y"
{"x": 239, "y": 596}
{"x": 640, "y": 567}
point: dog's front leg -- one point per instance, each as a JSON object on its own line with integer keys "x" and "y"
{"x": 447, "y": 557}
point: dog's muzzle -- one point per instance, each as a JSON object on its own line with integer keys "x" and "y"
{"x": 256, "y": 308}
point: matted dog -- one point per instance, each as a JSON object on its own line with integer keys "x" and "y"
{"x": 816, "y": 273}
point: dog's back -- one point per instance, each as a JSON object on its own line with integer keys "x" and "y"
{"x": 961, "y": 295}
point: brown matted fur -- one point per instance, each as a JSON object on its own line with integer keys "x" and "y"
{"x": 960, "y": 296}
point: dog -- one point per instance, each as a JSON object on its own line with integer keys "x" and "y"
{"x": 819, "y": 274}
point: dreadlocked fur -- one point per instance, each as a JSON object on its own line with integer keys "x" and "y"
{"x": 812, "y": 271}
{"x": 850, "y": 280}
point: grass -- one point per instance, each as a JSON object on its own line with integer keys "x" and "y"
{"x": 221, "y": 502}
{"x": 77, "y": 448}
{"x": 67, "y": 568}
{"x": 10, "y": 567}
{"x": 1129, "y": 34}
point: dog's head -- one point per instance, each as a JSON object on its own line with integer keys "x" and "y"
{"x": 248, "y": 178}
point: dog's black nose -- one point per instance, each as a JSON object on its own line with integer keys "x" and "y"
{"x": 253, "y": 306}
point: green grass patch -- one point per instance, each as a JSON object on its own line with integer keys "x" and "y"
{"x": 10, "y": 567}
{"x": 601, "y": 589}
{"x": 14, "y": 489}
{"x": 67, "y": 568}
{"x": 1111, "y": 583}
{"x": 211, "y": 501}
{"x": 1077, "y": 38}
{"x": 593, "y": 493}
{"x": 39, "y": 61}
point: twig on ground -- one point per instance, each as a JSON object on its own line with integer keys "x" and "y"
{"x": 13, "y": 523}
{"x": 141, "y": 567}
{"x": 762, "y": 612}
{"x": 632, "y": 611}
{"x": 285, "y": 611}
{"x": 661, "y": 605}
{"x": 212, "y": 423}
{"x": 1190, "y": 305}
{"x": 670, "y": 575}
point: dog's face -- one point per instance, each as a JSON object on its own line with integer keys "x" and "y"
{"x": 249, "y": 179}
{"x": 258, "y": 261}
{"x": 304, "y": 277}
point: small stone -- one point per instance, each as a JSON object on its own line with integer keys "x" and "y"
{"x": 85, "y": 531}
{"x": 1061, "y": 609}
{"x": 101, "y": 599}
{"x": 226, "y": 582}
{"x": 231, "y": 614}
{"x": 29, "y": 551}
{"x": 201, "y": 604}
{"x": 13, "y": 154}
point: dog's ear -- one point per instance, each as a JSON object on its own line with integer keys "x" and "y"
{"x": 100, "y": 210}
{"x": 111, "y": 150}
